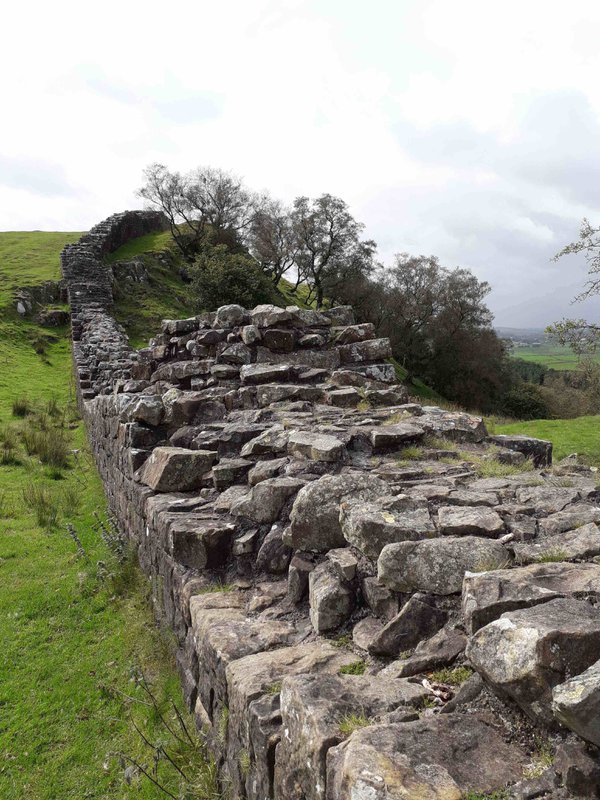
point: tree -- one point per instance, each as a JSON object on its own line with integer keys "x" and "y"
{"x": 201, "y": 205}
{"x": 329, "y": 248}
{"x": 272, "y": 239}
{"x": 581, "y": 336}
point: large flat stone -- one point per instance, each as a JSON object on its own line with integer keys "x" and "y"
{"x": 526, "y": 653}
{"x": 469, "y": 521}
{"x": 488, "y": 595}
{"x": 581, "y": 543}
{"x": 315, "y": 446}
{"x": 370, "y": 526}
{"x": 392, "y": 436}
{"x": 437, "y": 565}
{"x": 433, "y": 758}
{"x": 176, "y": 469}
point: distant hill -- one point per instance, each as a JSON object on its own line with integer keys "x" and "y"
{"x": 521, "y": 334}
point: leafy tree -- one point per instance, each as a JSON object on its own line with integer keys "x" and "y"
{"x": 220, "y": 277}
{"x": 272, "y": 239}
{"x": 203, "y": 205}
{"x": 329, "y": 248}
{"x": 525, "y": 401}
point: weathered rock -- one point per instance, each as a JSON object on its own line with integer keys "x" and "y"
{"x": 546, "y": 500}
{"x": 354, "y": 333}
{"x": 199, "y": 543}
{"x": 394, "y": 436}
{"x": 467, "y": 497}
{"x": 273, "y": 556}
{"x": 417, "y": 620}
{"x": 315, "y": 514}
{"x": 229, "y": 316}
{"x": 573, "y": 517}
{"x": 469, "y": 521}
{"x": 229, "y": 471}
{"x": 315, "y": 446}
{"x": 437, "y": 565}
{"x": 237, "y": 353}
{"x": 488, "y": 595}
{"x": 265, "y": 316}
{"x": 576, "y": 703}
{"x": 172, "y": 469}
{"x": 365, "y": 631}
{"x": 386, "y": 397}
{"x": 265, "y": 373}
{"x": 581, "y": 543}
{"x": 370, "y": 350}
{"x": 266, "y": 469}
{"x": 438, "y": 651}
{"x": 250, "y": 334}
{"x": 344, "y": 398}
{"x": 437, "y": 758}
{"x": 331, "y": 598}
{"x": 148, "y": 409}
{"x": 265, "y": 500}
{"x": 526, "y": 653}
{"x": 380, "y": 600}
{"x": 344, "y": 562}
{"x": 273, "y": 440}
{"x": 577, "y": 770}
{"x": 453, "y": 425}
{"x": 278, "y": 339}
{"x": 300, "y": 568}
{"x": 538, "y": 450}
{"x": 370, "y": 526}
{"x": 250, "y": 682}
{"x": 312, "y": 710}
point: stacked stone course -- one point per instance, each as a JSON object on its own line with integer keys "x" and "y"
{"x": 254, "y": 458}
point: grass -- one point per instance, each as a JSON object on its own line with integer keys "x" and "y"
{"x": 550, "y": 354}
{"x": 76, "y": 635}
{"x": 355, "y": 668}
{"x": 352, "y": 722}
{"x": 551, "y": 556}
{"x": 453, "y": 677}
{"x": 579, "y": 435}
{"x": 41, "y": 263}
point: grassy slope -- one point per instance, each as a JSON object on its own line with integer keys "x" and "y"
{"x": 70, "y": 644}
{"x": 580, "y": 435}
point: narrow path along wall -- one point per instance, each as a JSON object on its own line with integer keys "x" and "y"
{"x": 320, "y": 546}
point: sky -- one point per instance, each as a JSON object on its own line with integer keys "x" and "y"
{"x": 468, "y": 129}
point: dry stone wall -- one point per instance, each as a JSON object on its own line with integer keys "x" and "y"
{"x": 320, "y": 545}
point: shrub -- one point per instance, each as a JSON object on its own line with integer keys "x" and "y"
{"x": 21, "y": 407}
{"x": 220, "y": 277}
{"x": 8, "y": 447}
{"x": 524, "y": 401}
{"x": 50, "y": 444}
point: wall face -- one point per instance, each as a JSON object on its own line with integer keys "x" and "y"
{"x": 253, "y": 459}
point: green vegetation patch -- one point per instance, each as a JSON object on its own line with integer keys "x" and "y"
{"x": 550, "y": 354}
{"x": 579, "y": 435}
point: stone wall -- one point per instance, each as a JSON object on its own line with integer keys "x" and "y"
{"x": 320, "y": 545}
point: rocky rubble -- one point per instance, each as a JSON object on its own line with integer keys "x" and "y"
{"x": 330, "y": 554}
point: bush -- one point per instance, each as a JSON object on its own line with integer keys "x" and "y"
{"x": 524, "y": 401}
{"x": 8, "y": 447}
{"x": 21, "y": 407}
{"x": 220, "y": 277}
{"x": 50, "y": 444}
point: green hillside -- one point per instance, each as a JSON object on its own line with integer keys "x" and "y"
{"x": 580, "y": 435}
{"x": 76, "y": 628}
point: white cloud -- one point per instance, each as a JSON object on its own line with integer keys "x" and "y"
{"x": 465, "y": 129}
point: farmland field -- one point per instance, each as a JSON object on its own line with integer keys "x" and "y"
{"x": 549, "y": 354}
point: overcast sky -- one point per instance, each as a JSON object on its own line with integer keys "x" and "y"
{"x": 464, "y": 128}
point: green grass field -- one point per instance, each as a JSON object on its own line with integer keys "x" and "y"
{"x": 580, "y": 435}
{"x": 75, "y": 634}
{"x": 549, "y": 354}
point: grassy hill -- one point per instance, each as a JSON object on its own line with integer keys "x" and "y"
{"x": 76, "y": 627}
{"x": 580, "y": 435}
